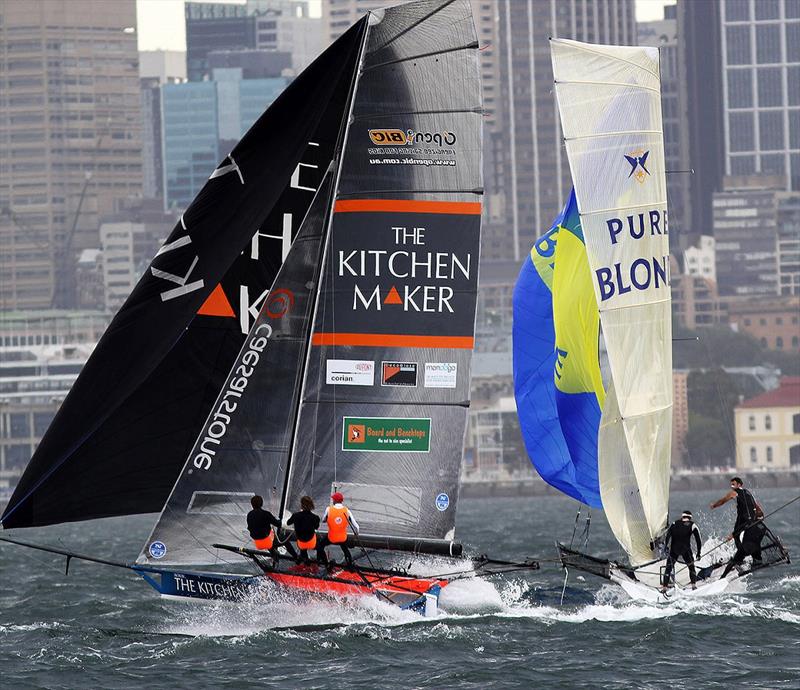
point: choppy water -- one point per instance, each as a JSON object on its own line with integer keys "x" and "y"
{"x": 104, "y": 628}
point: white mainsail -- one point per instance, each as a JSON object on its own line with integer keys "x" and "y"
{"x": 609, "y": 98}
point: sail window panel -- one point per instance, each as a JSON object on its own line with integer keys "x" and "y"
{"x": 401, "y": 34}
{"x": 737, "y": 10}
{"x": 426, "y": 165}
{"x": 792, "y": 42}
{"x": 740, "y": 88}
{"x": 741, "y": 132}
{"x": 770, "y": 87}
{"x": 770, "y": 130}
{"x": 235, "y": 503}
{"x": 737, "y": 45}
{"x": 768, "y": 9}
{"x": 768, "y": 43}
{"x": 383, "y": 505}
{"x": 428, "y": 84}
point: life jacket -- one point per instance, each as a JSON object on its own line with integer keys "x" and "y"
{"x": 337, "y": 524}
{"x": 310, "y": 544}
{"x": 265, "y": 544}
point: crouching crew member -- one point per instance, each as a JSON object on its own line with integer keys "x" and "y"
{"x": 338, "y": 517}
{"x": 305, "y": 525}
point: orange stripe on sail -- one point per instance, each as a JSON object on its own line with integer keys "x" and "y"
{"x": 466, "y": 208}
{"x": 394, "y": 340}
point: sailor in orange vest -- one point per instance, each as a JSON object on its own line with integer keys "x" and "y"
{"x": 260, "y": 523}
{"x": 305, "y": 525}
{"x": 337, "y": 517}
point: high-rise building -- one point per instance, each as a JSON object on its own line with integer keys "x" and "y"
{"x": 700, "y": 260}
{"x": 700, "y": 103}
{"x": 663, "y": 34}
{"x": 287, "y": 26}
{"x": 789, "y": 244}
{"x": 530, "y": 152}
{"x": 156, "y": 67}
{"x": 200, "y": 120}
{"x": 761, "y": 88}
{"x": 745, "y": 233}
{"x": 215, "y": 26}
{"x": 70, "y": 138}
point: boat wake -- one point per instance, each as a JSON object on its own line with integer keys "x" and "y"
{"x": 288, "y": 613}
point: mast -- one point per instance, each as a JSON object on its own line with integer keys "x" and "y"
{"x": 337, "y": 162}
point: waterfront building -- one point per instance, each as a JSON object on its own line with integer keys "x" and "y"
{"x": 788, "y": 249}
{"x": 768, "y": 428}
{"x": 34, "y": 380}
{"x": 774, "y": 322}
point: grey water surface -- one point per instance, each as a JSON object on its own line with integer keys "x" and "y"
{"x": 102, "y": 627}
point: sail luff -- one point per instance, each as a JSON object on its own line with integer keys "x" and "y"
{"x": 337, "y": 162}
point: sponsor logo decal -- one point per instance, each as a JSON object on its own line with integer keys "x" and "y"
{"x": 390, "y": 434}
{"x": 416, "y": 277}
{"x": 158, "y": 549}
{"x": 399, "y": 374}
{"x": 388, "y": 137}
{"x": 280, "y": 302}
{"x": 220, "y": 418}
{"x": 441, "y": 374}
{"x": 409, "y": 137}
{"x": 442, "y": 502}
{"x": 349, "y": 372}
{"x": 638, "y": 162}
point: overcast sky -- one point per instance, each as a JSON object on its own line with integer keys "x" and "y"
{"x": 161, "y": 23}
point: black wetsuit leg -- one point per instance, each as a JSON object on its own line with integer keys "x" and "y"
{"x": 322, "y": 542}
{"x": 671, "y": 558}
{"x": 688, "y": 558}
{"x": 346, "y": 551}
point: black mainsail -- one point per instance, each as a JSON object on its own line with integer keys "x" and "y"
{"x": 121, "y": 436}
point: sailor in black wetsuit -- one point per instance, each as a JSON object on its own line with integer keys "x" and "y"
{"x": 748, "y": 510}
{"x": 305, "y": 525}
{"x": 260, "y": 523}
{"x": 679, "y": 541}
{"x": 748, "y": 531}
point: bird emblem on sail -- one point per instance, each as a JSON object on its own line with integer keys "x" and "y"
{"x": 638, "y": 160}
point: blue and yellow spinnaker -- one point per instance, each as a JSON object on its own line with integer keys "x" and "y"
{"x": 557, "y": 381}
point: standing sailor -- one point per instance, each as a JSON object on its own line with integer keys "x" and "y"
{"x": 748, "y": 510}
{"x": 338, "y": 517}
{"x": 678, "y": 540}
{"x": 305, "y": 525}
{"x": 260, "y": 523}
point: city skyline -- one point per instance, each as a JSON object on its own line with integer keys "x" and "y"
{"x": 171, "y": 33}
